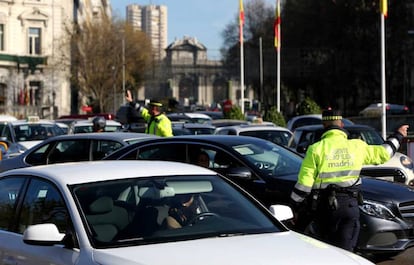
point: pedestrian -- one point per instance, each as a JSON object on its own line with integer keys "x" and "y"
{"x": 98, "y": 124}
{"x": 328, "y": 184}
{"x": 157, "y": 122}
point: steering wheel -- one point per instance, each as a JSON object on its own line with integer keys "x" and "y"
{"x": 201, "y": 216}
{"x": 264, "y": 165}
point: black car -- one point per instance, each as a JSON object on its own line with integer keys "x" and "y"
{"x": 269, "y": 172}
{"x": 399, "y": 168}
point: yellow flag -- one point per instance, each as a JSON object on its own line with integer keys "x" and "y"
{"x": 384, "y": 7}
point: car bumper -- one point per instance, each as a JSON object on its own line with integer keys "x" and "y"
{"x": 381, "y": 236}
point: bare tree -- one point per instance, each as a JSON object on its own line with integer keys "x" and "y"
{"x": 104, "y": 55}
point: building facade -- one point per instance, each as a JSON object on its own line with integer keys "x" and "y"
{"x": 34, "y": 59}
{"x": 151, "y": 19}
{"x": 190, "y": 77}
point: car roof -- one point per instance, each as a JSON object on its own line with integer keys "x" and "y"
{"x": 228, "y": 122}
{"x": 255, "y": 127}
{"x": 192, "y": 125}
{"x": 319, "y": 127}
{"x": 89, "y": 123}
{"x": 121, "y": 136}
{"x": 90, "y": 171}
{"x": 310, "y": 117}
{"x": 222, "y": 141}
{"x": 5, "y": 117}
{"x": 23, "y": 122}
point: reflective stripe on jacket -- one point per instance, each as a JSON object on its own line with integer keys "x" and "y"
{"x": 335, "y": 160}
{"x": 159, "y": 125}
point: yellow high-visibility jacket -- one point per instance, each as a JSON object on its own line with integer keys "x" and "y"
{"x": 159, "y": 125}
{"x": 335, "y": 160}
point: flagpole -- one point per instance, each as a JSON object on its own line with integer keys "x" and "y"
{"x": 277, "y": 46}
{"x": 241, "y": 23}
{"x": 383, "y": 86}
{"x": 242, "y": 74}
{"x": 278, "y": 77}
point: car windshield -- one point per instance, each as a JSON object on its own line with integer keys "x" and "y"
{"x": 371, "y": 137}
{"x": 277, "y": 137}
{"x": 270, "y": 159}
{"x": 36, "y": 131}
{"x": 164, "y": 209}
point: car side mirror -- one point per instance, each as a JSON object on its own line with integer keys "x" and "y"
{"x": 239, "y": 172}
{"x": 42, "y": 235}
{"x": 281, "y": 212}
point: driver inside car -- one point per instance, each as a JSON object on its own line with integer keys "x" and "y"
{"x": 182, "y": 212}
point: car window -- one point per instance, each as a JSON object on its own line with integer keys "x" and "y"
{"x": 6, "y": 132}
{"x": 371, "y": 137}
{"x": 305, "y": 121}
{"x": 101, "y": 148}
{"x": 222, "y": 131}
{"x": 36, "y": 132}
{"x": 165, "y": 152}
{"x": 272, "y": 160}
{"x": 70, "y": 151}
{"x": 9, "y": 192}
{"x": 140, "y": 211}
{"x": 277, "y": 137}
{"x": 39, "y": 156}
{"x": 43, "y": 204}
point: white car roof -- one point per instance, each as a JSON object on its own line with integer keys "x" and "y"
{"x": 22, "y": 122}
{"x": 71, "y": 173}
{"x": 5, "y": 117}
{"x": 255, "y": 127}
{"x": 198, "y": 115}
{"x": 89, "y": 123}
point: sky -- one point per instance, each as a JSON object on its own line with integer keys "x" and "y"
{"x": 203, "y": 19}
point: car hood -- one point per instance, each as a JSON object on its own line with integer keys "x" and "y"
{"x": 281, "y": 248}
{"x": 386, "y": 191}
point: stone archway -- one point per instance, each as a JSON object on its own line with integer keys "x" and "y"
{"x": 187, "y": 89}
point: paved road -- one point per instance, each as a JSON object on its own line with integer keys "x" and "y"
{"x": 405, "y": 258}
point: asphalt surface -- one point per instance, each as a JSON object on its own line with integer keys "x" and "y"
{"x": 404, "y": 258}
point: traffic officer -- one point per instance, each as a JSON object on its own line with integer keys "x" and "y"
{"x": 328, "y": 184}
{"x": 157, "y": 122}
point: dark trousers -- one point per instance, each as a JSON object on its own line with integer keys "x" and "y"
{"x": 339, "y": 227}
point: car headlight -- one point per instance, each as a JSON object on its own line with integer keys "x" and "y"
{"x": 376, "y": 210}
{"x": 406, "y": 162}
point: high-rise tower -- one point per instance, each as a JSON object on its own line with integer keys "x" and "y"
{"x": 151, "y": 19}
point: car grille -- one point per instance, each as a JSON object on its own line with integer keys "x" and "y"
{"x": 407, "y": 211}
{"x": 397, "y": 174}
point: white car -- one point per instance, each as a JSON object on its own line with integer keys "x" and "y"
{"x": 114, "y": 212}
{"x": 276, "y": 134}
{"x": 21, "y": 135}
{"x": 86, "y": 126}
{"x": 192, "y": 117}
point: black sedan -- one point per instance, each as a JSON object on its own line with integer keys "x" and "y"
{"x": 269, "y": 172}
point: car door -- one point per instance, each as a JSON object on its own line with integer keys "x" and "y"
{"x": 42, "y": 203}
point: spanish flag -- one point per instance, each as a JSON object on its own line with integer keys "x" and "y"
{"x": 384, "y": 7}
{"x": 276, "y": 25}
{"x": 241, "y": 21}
